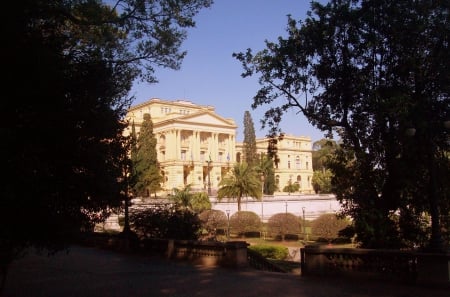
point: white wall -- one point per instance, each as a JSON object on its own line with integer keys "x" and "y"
{"x": 314, "y": 205}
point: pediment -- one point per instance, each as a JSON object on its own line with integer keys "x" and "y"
{"x": 203, "y": 118}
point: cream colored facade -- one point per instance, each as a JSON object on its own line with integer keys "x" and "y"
{"x": 295, "y": 165}
{"x": 193, "y": 140}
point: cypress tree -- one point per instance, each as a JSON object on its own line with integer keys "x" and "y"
{"x": 249, "y": 150}
{"x": 145, "y": 162}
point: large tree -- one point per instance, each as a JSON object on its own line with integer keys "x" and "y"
{"x": 147, "y": 175}
{"x": 249, "y": 144}
{"x": 376, "y": 73}
{"x": 62, "y": 151}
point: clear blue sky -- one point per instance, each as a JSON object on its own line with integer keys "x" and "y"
{"x": 210, "y": 75}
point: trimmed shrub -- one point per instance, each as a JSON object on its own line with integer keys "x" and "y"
{"x": 243, "y": 222}
{"x": 281, "y": 224}
{"x": 271, "y": 251}
{"x": 214, "y": 222}
{"x": 328, "y": 226}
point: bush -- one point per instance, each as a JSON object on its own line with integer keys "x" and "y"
{"x": 165, "y": 222}
{"x": 245, "y": 221}
{"x": 281, "y": 224}
{"x": 328, "y": 226}
{"x": 214, "y": 222}
{"x": 270, "y": 251}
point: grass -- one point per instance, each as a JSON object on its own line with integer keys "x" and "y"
{"x": 289, "y": 266}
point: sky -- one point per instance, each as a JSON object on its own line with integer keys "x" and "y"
{"x": 209, "y": 75}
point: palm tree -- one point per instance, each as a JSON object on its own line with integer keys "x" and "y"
{"x": 183, "y": 198}
{"x": 244, "y": 180}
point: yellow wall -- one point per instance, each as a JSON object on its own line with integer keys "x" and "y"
{"x": 189, "y": 135}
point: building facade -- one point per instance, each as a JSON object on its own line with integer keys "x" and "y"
{"x": 196, "y": 146}
{"x": 295, "y": 161}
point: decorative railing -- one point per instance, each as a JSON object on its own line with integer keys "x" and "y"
{"x": 392, "y": 265}
{"x": 387, "y": 265}
{"x": 359, "y": 262}
{"x": 227, "y": 254}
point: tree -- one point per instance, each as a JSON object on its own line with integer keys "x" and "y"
{"x": 321, "y": 181}
{"x": 266, "y": 169}
{"x": 133, "y": 156}
{"x": 291, "y": 187}
{"x": 183, "y": 197}
{"x": 243, "y": 222}
{"x": 148, "y": 177}
{"x": 369, "y": 71}
{"x": 244, "y": 180}
{"x": 62, "y": 148}
{"x": 323, "y": 151}
{"x": 200, "y": 202}
{"x": 272, "y": 149}
{"x": 165, "y": 221}
{"x": 281, "y": 224}
{"x": 249, "y": 144}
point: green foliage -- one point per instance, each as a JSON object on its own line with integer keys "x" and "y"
{"x": 244, "y": 180}
{"x": 368, "y": 71}
{"x": 281, "y": 224}
{"x": 249, "y": 144}
{"x": 242, "y": 222}
{"x": 146, "y": 174}
{"x": 266, "y": 168}
{"x": 272, "y": 148}
{"x": 165, "y": 222}
{"x": 271, "y": 251}
{"x": 213, "y": 220}
{"x": 196, "y": 202}
{"x": 328, "y": 226}
{"x": 321, "y": 181}
{"x": 322, "y": 151}
{"x": 291, "y": 187}
{"x": 182, "y": 198}
{"x": 63, "y": 148}
{"x": 200, "y": 202}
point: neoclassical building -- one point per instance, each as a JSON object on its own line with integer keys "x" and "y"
{"x": 197, "y": 146}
